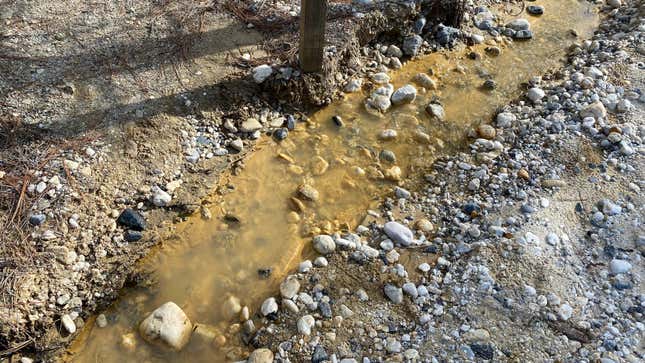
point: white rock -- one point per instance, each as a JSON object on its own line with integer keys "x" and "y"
{"x": 269, "y": 306}
{"x": 399, "y": 233}
{"x": 261, "y": 355}
{"x": 305, "y": 324}
{"x": 619, "y": 266}
{"x": 436, "y": 110}
{"x": 505, "y": 119}
{"x": 353, "y": 85}
{"x": 289, "y": 287}
{"x": 261, "y": 73}
{"x": 565, "y": 311}
{"x": 68, "y": 323}
{"x": 159, "y": 197}
{"x": 169, "y": 325}
{"x": 535, "y": 94}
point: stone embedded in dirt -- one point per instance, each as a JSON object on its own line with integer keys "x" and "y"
{"x": 380, "y": 78}
{"x": 261, "y": 73}
{"x": 447, "y": 36}
{"x": 523, "y": 35}
{"x": 436, "y": 111}
{"x": 132, "y": 219}
{"x": 617, "y": 266}
{"x": 305, "y": 324}
{"x": 387, "y": 156}
{"x": 320, "y": 355}
{"x": 394, "y": 51}
{"x": 505, "y": 119}
{"x": 412, "y": 45}
{"x": 37, "y": 219}
{"x": 167, "y": 325}
{"x": 324, "y": 244}
{"x": 132, "y": 235}
{"x": 565, "y": 312}
{"x": 387, "y": 135}
{"x": 289, "y": 287}
{"x": 261, "y": 355}
{"x": 405, "y": 94}
{"x": 493, "y": 51}
{"x": 353, "y": 85}
{"x": 250, "y": 125}
{"x": 237, "y": 144}
{"x": 101, "y": 321}
{"x": 159, "y": 197}
{"x": 486, "y": 131}
{"x": 535, "y": 94}
{"x": 308, "y": 192}
{"x": 399, "y": 233}
{"x": 68, "y": 324}
{"x": 425, "y": 81}
{"x": 393, "y": 293}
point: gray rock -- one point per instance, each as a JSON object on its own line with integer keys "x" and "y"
{"x": 617, "y": 266}
{"x": 399, "y": 233}
{"x": 269, "y": 306}
{"x": 436, "y": 111}
{"x": 446, "y": 35}
{"x": 289, "y": 287}
{"x": 261, "y": 73}
{"x": 405, "y": 94}
{"x": 324, "y": 244}
{"x": 305, "y": 324}
{"x": 393, "y": 293}
{"x": 159, "y": 197}
{"x": 519, "y": 24}
{"x": 412, "y": 45}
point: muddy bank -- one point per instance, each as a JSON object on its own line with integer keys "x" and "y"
{"x": 103, "y": 109}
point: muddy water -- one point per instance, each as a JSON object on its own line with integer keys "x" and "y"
{"x": 256, "y": 223}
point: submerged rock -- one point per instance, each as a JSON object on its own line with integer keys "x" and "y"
{"x": 405, "y": 94}
{"x": 169, "y": 325}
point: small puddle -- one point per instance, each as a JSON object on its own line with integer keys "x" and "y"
{"x": 210, "y": 260}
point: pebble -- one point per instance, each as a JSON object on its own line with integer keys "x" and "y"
{"x": 399, "y": 233}
{"x": 261, "y": 73}
{"x": 159, "y": 197}
{"x": 305, "y": 324}
{"x": 565, "y": 312}
{"x": 425, "y": 81}
{"x": 617, "y": 266}
{"x": 412, "y": 45}
{"x": 535, "y": 9}
{"x": 535, "y": 94}
{"x": 167, "y": 324}
{"x": 324, "y": 244}
{"x": 289, "y": 288}
{"x": 405, "y": 94}
{"x": 261, "y": 355}
{"x": 101, "y": 321}
{"x": 269, "y": 306}
{"x": 393, "y": 293}
{"x": 132, "y": 219}
{"x": 436, "y": 111}
{"x": 37, "y": 219}
{"x": 68, "y": 324}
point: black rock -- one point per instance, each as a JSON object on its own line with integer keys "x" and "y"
{"x": 320, "y": 355}
{"x": 37, "y": 219}
{"x": 419, "y": 25}
{"x": 281, "y": 134}
{"x": 483, "y": 351}
{"x": 446, "y": 35}
{"x": 132, "y": 219}
{"x": 469, "y": 208}
{"x": 523, "y": 35}
{"x": 133, "y": 236}
{"x": 291, "y": 122}
{"x": 265, "y": 272}
{"x": 535, "y": 9}
{"x": 489, "y": 84}
{"x": 338, "y": 121}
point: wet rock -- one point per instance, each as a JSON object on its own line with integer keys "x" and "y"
{"x": 489, "y": 84}
{"x": 399, "y": 233}
{"x": 168, "y": 325}
{"x": 425, "y": 81}
{"x": 393, "y": 174}
{"x": 101, "y": 321}
{"x": 405, "y": 94}
{"x": 523, "y": 35}
{"x": 447, "y": 36}
{"x": 535, "y": 10}
{"x": 436, "y": 111}
{"x": 519, "y": 24}
{"x": 378, "y": 102}
{"x": 280, "y": 134}
{"x": 338, "y": 121}
{"x": 237, "y": 144}
{"x": 412, "y": 45}
{"x": 261, "y": 73}
{"x": 231, "y": 307}
{"x": 387, "y": 156}
{"x": 289, "y": 287}
{"x": 493, "y": 51}
{"x": 324, "y": 244}
{"x": 269, "y": 306}
{"x": 388, "y": 135}
{"x": 132, "y": 219}
{"x": 308, "y": 192}
{"x": 380, "y": 78}
{"x": 393, "y": 293}
{"x": 353, "y": 85}
{"x": 261, "y": 355}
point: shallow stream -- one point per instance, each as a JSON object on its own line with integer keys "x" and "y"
{"x": 255, "y": 222}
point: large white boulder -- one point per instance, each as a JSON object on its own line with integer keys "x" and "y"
{"x": 167, "y": 325}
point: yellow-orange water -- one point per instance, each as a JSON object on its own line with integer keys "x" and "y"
{"x": 208, "y": 260}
